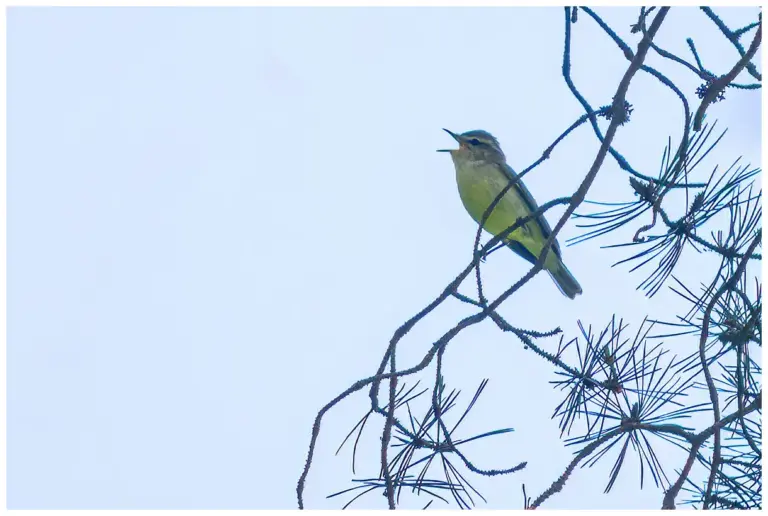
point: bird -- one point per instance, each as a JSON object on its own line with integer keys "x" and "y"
{"x": 482, "y": 173}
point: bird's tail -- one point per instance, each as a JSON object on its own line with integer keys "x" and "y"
{"x": 564, "y": 280}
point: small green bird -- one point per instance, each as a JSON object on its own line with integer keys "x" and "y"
{"x": 482, "y": 173}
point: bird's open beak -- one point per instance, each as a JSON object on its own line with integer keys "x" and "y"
{"x": 455, "y": 137}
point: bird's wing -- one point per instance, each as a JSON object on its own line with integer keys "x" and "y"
{"x": 531, "y": 203}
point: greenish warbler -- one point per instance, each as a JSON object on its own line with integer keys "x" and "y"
{"x": 481, "y": 174}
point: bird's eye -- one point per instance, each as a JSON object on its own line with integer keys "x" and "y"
{"x": 474, "y": 141}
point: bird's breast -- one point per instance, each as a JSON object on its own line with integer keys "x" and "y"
{"x": 479, "y": 184}
{"x": 478, "y": 187}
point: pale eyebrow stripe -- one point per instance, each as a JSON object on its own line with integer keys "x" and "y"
{"x": 483, "y": 138}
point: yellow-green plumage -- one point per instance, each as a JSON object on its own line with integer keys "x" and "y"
{"x": 481, "y": 174}
{"x": 478, "y": 187}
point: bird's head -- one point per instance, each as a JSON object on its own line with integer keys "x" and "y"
{"x": 476, "y": 146}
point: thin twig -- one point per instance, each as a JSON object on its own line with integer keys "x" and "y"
{"x": 733, "y": 38}
{"x": 698, "y": 440}
{"x": 387, "y": 433}
{"x": 719, "y": 84}
{"x": 727, "y": 285}
{"x": 558, "y": 484}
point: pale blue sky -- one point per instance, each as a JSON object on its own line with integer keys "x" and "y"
{"x": 218, "y": 217}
